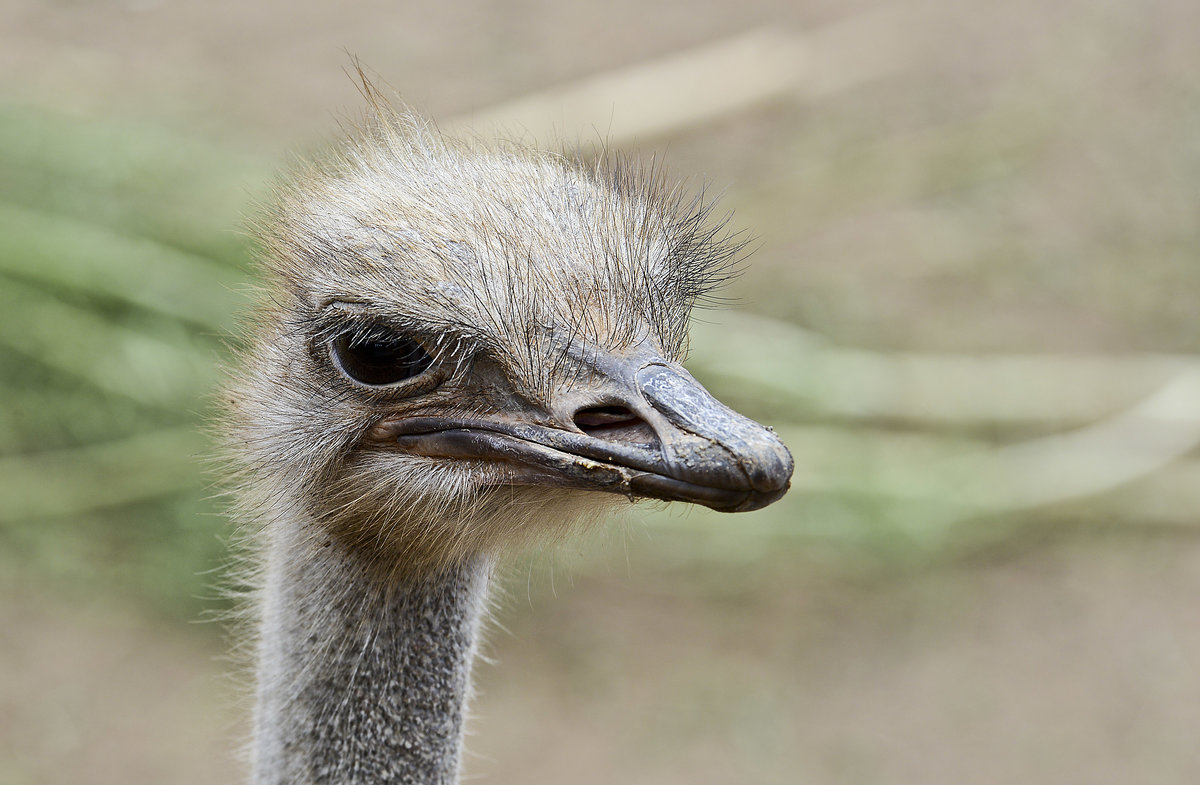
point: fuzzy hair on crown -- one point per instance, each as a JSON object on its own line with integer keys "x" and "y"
{"x": 487, "y": 249}
{"x": 496, "y": 241}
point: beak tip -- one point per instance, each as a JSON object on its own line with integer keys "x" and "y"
{"x": 756, "y": 499}
{"x": 771, "y": 466}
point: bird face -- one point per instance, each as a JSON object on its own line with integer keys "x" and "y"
{"x": 465, "y": 336}
{"x": 625, "y": 421}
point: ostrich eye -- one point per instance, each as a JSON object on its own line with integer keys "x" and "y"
{"x": 379, "y": 357}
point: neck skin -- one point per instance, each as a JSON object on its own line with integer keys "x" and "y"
{"x": 361, "y": 680}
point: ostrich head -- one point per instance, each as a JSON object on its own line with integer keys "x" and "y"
{"x": 465, "y": 342}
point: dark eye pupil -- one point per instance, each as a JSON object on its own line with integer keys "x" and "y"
{"x": 380, "y": 358}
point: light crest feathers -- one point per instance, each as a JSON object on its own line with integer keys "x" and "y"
{"x": 497, "y": 241}
{"x": 493, "y": 247}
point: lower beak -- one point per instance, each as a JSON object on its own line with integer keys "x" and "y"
{"x": 672, "y": 441}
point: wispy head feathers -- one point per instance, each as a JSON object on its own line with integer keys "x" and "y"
{"x": 514, "y": 253}
{"x": 522, "y": 249}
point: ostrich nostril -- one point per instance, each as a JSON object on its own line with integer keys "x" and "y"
{"x": 614, "y": 423}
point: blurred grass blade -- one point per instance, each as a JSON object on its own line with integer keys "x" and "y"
{"x": 60, "y": 251}
{"x": 109, "y": 356}
{"x": 1159, "y": 430}
{"x": 784, "y": 367}
{"x": 129, "y": 177}
{"x": 71, "y": 481}
{"x": 728, "y": 77}
{"x": 39, "y": 414}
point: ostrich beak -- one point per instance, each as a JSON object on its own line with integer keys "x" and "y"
{"x": 657, "y": 434}
{"x": 710, "y": 454}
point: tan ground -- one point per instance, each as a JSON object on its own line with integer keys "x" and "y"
{"x": 1068, "y": 663}
{"x": 1065, "y": 659}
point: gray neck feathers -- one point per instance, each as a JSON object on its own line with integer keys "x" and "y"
{"x": 361, "y": 680}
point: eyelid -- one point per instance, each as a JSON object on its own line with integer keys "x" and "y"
{"x": 337, "y": 315}
{"x": 338, "y": 312}
{"x": 335, "y": 320}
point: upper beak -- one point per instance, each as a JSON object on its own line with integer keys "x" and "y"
{"x": 659, "y": 434}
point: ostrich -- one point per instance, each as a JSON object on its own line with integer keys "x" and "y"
{"x": 459, "y": 347}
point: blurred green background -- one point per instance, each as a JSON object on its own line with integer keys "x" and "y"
{"x": 971, "y": 313}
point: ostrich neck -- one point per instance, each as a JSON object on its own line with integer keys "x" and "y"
{"x": 361, "y": 681}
